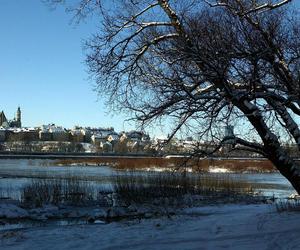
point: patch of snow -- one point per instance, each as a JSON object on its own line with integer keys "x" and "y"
{"x": 162, "y": 169}
{"x": 218, "y": 170}
{"x": 88, "y": 147}
{"x": 213, "y": 227}
{"x": 294, "y": 196}
{"x": 156, "y": 169}
{"x": 11, "y": 211}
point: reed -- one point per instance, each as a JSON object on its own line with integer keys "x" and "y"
{"x": 287, "y": 205}
{"x": 57, "y": 191}
{"x": 133, "y": 187}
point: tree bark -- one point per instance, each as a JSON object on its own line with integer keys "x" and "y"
{"x": 272, "y": 147}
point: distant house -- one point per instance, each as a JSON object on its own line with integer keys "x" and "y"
{"x": 2, "y": 134}
{"x": 161, "y": 140}
{"x": 98, "y": 139}
{"x": 87, "y": 134}
{"x": 135, "y": 135}
{"x": 107, "y": 147}
{"x": 103, "y": 131}
{"x": 44, "y": 133}
{"x": 189, "y": 139}
{"x": 229, "y": 135}
{"x": 113, "y": 137}
{"x": 135, "y": 141}
{"x": 22, "y": 134}
{"x": 101, "y": 135}
{"x": 52, "y": 132}
{"x": 77, "y": 135}
{"x": 229, "y": 131}
{"x": 59, "y": 134}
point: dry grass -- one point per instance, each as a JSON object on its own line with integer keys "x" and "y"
{"x": 133, "y": 187}
{"x": 137, "y": 187}
{"x": 198, "y": 165}
{"x": 57, "y": 191}
{"x": 288, "y": 206}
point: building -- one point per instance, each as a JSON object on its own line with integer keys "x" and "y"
{"x": 135, "y": 135}
{"x": 98, "y": 139}
{"x": 15, "y": 123}
{"x": 100, "y": 135}
{"x": 52, "y": 132}
{"x": 59, "y": 133}
{"x": 2, "y": 134}
{"x": 87, "y": 135}
{"x": 44, "y": 134}
{"x": 3, "y": 120}
{"x": 113, "y": 138}
{"x": 22, "y": 134}
{"x": 104, "y": 132}
{"x": 77, "y": 135}
{"x": 229, "y": 131}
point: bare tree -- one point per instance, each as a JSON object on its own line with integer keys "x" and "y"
{"x": 204, "y": 63}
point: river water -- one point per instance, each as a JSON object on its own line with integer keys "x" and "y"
{"x": 17, "y": 173}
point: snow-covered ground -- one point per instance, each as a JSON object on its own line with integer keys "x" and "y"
{"x": 212, "y": 227}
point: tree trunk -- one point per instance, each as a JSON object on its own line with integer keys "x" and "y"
{"x": 286, "y": 166}
{"x": 272, "y": 148}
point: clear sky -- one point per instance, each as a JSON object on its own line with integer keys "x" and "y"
{"x": 42, "y": 68}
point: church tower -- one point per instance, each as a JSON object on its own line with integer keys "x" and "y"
{"x": 2, "y": 118}
{"x": 18, "y": 118}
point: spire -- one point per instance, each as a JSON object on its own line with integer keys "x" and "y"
{"x": 2, "y": 118}
{"x": 18, "y": 118}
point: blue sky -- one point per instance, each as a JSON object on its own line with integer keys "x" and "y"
{"x": 42, "y": 68}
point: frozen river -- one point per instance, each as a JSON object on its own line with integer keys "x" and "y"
{"x": 16, "y": 173}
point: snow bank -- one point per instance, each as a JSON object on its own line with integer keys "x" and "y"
{"x": 11, "y": 211}
{"x": 213, "y": 227}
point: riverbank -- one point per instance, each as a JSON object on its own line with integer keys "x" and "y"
{"x": 208, "y": 165}
{"x": 41, "y": 155}
{"x": 229, "y": 221}
{"x": 233, "y": 226}
{"x": 159, "y": 163}
{"x": 17, "y": 215}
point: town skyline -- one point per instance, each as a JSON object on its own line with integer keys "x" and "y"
{"x": 42, "y": 69}
{"x": 26, "y": 123}
{"x": 14, "y": 122}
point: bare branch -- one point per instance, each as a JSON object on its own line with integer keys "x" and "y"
{"x": 255, "y": 8}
